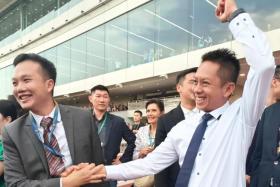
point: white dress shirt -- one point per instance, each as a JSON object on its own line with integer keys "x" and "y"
{"x": 189, "y": 113}
{"x": 59, "y": 134}
{"x": 220, "y": 161}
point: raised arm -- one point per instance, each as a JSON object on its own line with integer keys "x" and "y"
{"x": 258, "y": 56}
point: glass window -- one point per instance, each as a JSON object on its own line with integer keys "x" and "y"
{"x": 95, "y": 52}
{"x": 10, "y": 23}
{"x": 206, "y": 26}
{"x": 174, "y": 27}
{"x": 265, "y": 14}
{"x": 6, "y": 78}
{"x": 78, "y": 58}
{"x": 116, "y": 44}
{"x": 141, "y": 35}
{"x": 63, "y": 63}
{"x": 34, "y": 10}
{"x": 51, "y": 55}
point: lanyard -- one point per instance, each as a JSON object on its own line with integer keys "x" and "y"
{"x": 40, "y": 137}
{"x": 102, "y": 125}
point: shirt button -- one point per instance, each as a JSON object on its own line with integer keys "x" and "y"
{"x": 197, "y": 173}
{"x": 203, "y": 138}
{"x": 199, "y": 154}
{"x": 253, "y": 36}
{"x": 244, "y": 19}
{"x": 275, "y": 162}
{"x": 237, "y": 23}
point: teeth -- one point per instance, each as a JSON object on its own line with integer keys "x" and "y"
{"x": 23, "y": 97}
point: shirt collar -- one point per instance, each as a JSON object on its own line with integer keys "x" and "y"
{"x": 103, "y": 117}
{"x": 187, "y": 111}
{"x": 217, "y": 113}
{"x": 39, "y": 118}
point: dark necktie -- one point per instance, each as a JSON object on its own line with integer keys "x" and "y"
{"x": 186, "y": 169}
{"x": 56, "y": 164}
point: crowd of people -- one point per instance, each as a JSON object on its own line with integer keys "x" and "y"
{"x": 204, "y": 141}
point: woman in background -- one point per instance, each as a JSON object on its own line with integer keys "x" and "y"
{"x": 145, "y": 138}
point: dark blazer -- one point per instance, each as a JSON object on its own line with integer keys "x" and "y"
{"x": 167, "y": 177}
{"x": 24, "y": 156}
{"x": 116, "y": 131}
{"x": 264, "y": 163}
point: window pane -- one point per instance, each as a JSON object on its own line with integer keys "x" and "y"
{"x": 63, "y": 63}
{"x": 95, "y": 52}
{"x": 116, "y": 44}
{"x": 78, "y": 58}
{"x": 141, "y": 35}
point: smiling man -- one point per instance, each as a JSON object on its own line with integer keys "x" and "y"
{"x": 42, "y": 143}
{"x": 211, "y": 148}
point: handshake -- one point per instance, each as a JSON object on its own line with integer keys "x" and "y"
{"x": 83, "y": 173}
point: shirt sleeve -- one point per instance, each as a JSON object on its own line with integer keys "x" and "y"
{"x": 259, "y": 57}
{"x": 163, "y": 156}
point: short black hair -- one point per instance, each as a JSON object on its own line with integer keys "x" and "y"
{"x": 181, "y": 76}
{"x": 139, "y": 112}
{"x": 158, "y": 102}
{"x": 99, "y": 87}
{"x": 47, "y": 66}
{"x": 8, "y": 108}
{"x": 229, "y": 64}
{"x": 277, "y": 72}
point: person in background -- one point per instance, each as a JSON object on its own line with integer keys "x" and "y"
{"x": 263, "y": 149}
{"x": 111, "y": 129}
{"x": 137, "y": 119}
{"x": 145, "y": 138}
{"x": 8, "y": 113}
{"x": 185, "y": 110}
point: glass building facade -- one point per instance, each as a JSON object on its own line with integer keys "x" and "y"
{"x": 156, "y": 30}
{"x": 26, "y": 15}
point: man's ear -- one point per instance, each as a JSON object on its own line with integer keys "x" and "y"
{"x": 90, "y": 98}
{"x": 273, "y": 83}
{"x": 229, "y": 88}
{"x": 50, "y": 85}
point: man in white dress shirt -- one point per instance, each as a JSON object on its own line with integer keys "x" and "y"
{"x": 220, "y": 161}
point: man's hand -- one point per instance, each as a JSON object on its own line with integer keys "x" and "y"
{"x": 248, "y": 178}
{"x": 73, "y": 168}
{"x": 85, "y": 175}
{"x": 143, "y": 152}
{"x": 116, "y": 161}
{"x": 224, "y": 9}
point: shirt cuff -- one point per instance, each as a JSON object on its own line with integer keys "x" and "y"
{"x": 112, "y": 172}
{"x": 240, "y": 23}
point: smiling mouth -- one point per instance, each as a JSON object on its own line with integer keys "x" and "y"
{"x": 200, "y": 99}
{"x": 24, "y": 98}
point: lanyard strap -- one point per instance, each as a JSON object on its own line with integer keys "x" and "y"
{"x": 40, "y": 136}
{"x": 102, "y": 124}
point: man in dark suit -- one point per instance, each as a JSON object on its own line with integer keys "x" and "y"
{"x": 111, "y": 129}
{"x": 184, "y": 84}
{"x": 42, "y": 143}
{"x": 264, "y": 154}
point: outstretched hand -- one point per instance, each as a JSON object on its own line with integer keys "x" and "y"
{"x": 224, "y": 9}
{"x": 82, "y": 174}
